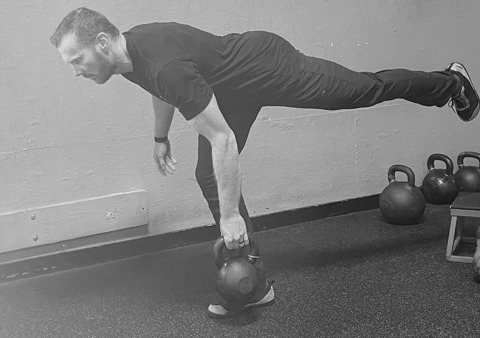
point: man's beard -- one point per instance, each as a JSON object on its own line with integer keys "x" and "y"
{"x": 106, "y": 69}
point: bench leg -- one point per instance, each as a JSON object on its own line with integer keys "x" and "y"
{"x": 454, "y": 239}
{"x": 476, "y": 259}
{"x": 451, "y": 237}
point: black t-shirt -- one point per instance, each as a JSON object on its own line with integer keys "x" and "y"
{"x": 183, "y": 66}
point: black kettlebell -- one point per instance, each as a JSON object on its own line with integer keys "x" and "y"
{"x": 237, "y": 277}
{"x": 468, "y": 177}
{"x": 439, "y": 185}
{"x": 402, "y": 203}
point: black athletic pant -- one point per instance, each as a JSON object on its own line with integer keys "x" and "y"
{"x": 326, "y": 85}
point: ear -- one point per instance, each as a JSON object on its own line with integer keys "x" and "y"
{"x": 102, "y": 41}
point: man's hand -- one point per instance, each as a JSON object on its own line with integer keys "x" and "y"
{"x": 234, "y": 232}
{"x": 163, "y": 158}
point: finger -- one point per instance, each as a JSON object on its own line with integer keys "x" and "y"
{"x": 241, "y": 241}
{"x": 246, "y": 240}
{"x": 170, "y": 164}
{"x": 166, "y": 167}
{"x": 159, "y": 167}
{"x": 173, "y": 159}
{"x": 163, "y": 167}
{"x": 228, "y": 242}
{"x": 236, "y": 241}
{"x": 168, "y": 170}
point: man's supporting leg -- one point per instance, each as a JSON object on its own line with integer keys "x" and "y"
{"x": 240, "y": 122}
{"x": 206, "y": 179}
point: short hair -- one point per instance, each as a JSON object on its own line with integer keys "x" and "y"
{"x": 86, "y": 24}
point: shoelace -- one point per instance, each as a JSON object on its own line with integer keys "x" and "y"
{"x": 459, "y": 103}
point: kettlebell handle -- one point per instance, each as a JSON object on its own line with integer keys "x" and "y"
{"x": 465, "y": 154}
{"x": 440, "y": 157}
{"x": 220, "y": 244}
{"x": 403, "y": 168}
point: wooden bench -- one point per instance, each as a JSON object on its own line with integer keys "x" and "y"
{"x": 467, "y": 204}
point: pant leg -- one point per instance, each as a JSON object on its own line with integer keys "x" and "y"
{"x": 325, "y": 84}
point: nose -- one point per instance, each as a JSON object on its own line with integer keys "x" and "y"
{"x": 76, "y": 70}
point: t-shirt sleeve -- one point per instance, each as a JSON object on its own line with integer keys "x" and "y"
{"x": 182, "y": 85}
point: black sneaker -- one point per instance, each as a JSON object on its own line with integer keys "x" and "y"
{"x": 265, "y": 297}
{"x": 467, "y": 103}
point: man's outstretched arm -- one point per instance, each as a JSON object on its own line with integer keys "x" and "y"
{"x": 211, "y": 124}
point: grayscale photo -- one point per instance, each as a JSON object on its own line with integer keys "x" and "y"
{"x": 239, "y": 168}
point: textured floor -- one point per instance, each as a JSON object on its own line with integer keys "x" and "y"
{"x": 348, "y": 276}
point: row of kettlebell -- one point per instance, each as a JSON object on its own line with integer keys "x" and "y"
{"x": 400, "y": 203}
{"x": 441, "y": 186}
{"x": 403, "y": 203}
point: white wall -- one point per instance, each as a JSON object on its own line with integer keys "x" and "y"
{"x": 64, "y": 139}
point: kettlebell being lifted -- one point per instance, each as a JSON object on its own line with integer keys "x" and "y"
{"x": 237, "y": 277}
{"x": 468, "y": 177}
{"x": 439, "y": 185}
{"x": 402, "y": 203}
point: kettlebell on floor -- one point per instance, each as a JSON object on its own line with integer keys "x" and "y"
{"x": 439, "y": 186}
{"x": 402, "y": 203}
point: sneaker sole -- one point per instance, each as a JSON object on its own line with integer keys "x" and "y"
{"x": 467, "y": 76}
{"x": 270, "y": 297}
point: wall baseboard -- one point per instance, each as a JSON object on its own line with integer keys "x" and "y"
{"x": 54, "y": 223}
{"x": 106, "y": 252}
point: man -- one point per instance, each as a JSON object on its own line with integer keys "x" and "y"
{"x": 220, "y": 83}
